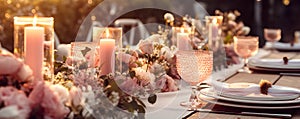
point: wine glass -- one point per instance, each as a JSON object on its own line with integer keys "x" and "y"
{"x": 194, "y": 66}
{"x": 245, "y": 47}
{"x": 272, "y": 35}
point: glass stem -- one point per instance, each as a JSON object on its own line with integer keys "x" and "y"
{"x": 273, "y": 47}
{"x": 193, "y": 98}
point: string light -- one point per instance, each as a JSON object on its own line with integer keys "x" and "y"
{"x": 8, "y": 1}
{"x": 93, "y": 18}
{"x": 90, "y": 1}
{"x": 286, "y": 2}
{"x": 7, "y": 16}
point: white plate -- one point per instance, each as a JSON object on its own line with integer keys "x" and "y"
{"x": 275, "y": 64}
{"x": 163, "y": 100}
{"x": 286, "y": 46}
{"x": 262, "y": 97}
{"x": 215, "y": 101}
{"x": 265, "y": 100}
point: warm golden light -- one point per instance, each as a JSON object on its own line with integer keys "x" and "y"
{"x": 181, "y": 30}
{"x": 34, "y": 20}
{"x": 107, "y": 33}
{"x": 214, "y": 21}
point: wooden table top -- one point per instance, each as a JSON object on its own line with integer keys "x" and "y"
{"x": 276, "y": 79}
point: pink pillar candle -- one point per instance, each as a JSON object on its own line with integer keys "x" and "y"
{"x": 183, "y": 41}
{"x": 107, "y": 56}
{"x": 34, "y": 50}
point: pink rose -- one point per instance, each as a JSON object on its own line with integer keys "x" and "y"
{"x": 167, "y": 84}
{"x": 53, "y": 107}
{"x": 10, "y": 65}
{"x": 15, "y": 98}
{"x": 69, "y": 61}
{"x": 146, "y": 46}
{"x": 231, "y": 24}
{"x": 128, "y": 84}
{"x": 46, "y": 97}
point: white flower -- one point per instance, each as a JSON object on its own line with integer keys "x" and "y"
{"x": 61, "y": 91}
{"x": 114, "y": 97}
{"x": 166, "y": 52}
{"x": 169, "y": 17}
{"x": 157, "y": 69}
{"x": 146, "y": 46}
{"x": 231, "y": 16}
{"x": 9, "y": 112}
{"x": 246, "y": 30}
{"x": 143, "y": 76}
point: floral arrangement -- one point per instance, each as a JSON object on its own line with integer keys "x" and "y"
{"x": 231, "y": 27}
{"x": 151, "y": 66}
{"x": 22, "y": 96}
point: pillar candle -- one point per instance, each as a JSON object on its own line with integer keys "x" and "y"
{"x": 183, "y": 41}
{"x": 34, "y": 50}
{"x": 107, "y": 56}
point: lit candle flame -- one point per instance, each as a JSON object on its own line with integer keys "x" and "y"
{"x": 107, "y": 33}
{"x": 214, "y": 21}
{"x": 34, "y": 20}
{"x": 181, "y": 30}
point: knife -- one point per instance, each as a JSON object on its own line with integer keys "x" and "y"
{"x": 290, "y": 74}
{"x": 286, "y": 116}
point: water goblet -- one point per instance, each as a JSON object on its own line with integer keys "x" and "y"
{"x": 245, "y": 47}
{"x": 194, "y": 66}
{"x": 272, "y": 35}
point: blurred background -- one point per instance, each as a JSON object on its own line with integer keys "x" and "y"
{"x": 70, "y": 14}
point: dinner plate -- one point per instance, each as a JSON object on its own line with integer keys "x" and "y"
{"x": 276, "y": 64}
{"x": 245, "y": 105}
{"x": 271, "y": 70}
{"x": 260, "y": 99}
{"x": 287, "y": 46}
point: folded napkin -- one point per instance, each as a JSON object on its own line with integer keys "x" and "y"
{"x": 250, "y": 88}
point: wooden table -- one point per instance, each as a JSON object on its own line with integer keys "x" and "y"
{"x": 276, "y": 79}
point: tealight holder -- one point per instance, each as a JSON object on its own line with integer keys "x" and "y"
{"x": 46, "y": 27}
{"x": 182, "y": 37}
{"x": 213, "y": 25}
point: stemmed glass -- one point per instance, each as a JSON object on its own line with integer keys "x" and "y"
{"x": 245, "y": 47}
{"x": 194, "y": 66}
{"x": 272, "y": 35}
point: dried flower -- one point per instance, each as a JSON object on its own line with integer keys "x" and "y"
{"x": 169, "y": 17}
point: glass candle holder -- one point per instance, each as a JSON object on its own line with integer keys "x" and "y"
{"x": 36, "y": 35}
{"x": 110, "y": 42}
{"x": 182, "y": 37}
{"x": 84, "y": 62}
{"x": 213, "y": 25}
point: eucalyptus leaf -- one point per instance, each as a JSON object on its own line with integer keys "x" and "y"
{"x": 85, "y": 51}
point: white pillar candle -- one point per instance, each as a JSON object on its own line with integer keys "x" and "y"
{"x": 183, "y": 41}
{"x": 34, "y": 50}
{"x": 107, "y": 56}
